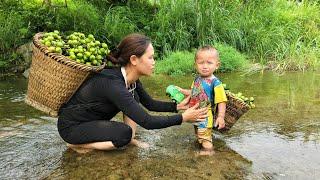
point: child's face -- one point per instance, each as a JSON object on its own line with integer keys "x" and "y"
{"x": 206, "y": 63}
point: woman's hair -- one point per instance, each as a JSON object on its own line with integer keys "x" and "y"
{"x": 133, "y": 44}
{"x": 207, "y": 48}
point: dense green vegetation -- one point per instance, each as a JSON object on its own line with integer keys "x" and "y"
{"x": 182, "y": 62}
{"x": 279, "y": 33}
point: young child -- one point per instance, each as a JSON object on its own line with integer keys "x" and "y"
{"x": 209, "y": 92}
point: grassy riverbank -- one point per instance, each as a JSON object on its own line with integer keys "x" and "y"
{"x": 283, "y": 35}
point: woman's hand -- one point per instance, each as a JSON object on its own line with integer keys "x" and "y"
{"x": 184, "y": 104}
{"x": 194, "y": 115}
{"x": 186, "y": 92}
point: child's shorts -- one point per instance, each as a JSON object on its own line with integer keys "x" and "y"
{"x": 203, "y": 134}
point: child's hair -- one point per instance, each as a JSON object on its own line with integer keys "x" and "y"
{"x": 207, "y": 48}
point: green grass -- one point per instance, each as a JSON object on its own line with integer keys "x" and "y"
{"x": 286, "y": 33}
{"x": 13, "y": 30}
{"x": 182, "y": 62}
{"x": 12, "y": 34}
{"x": 117, "y": 24}
{"x": 172, "y": 27}
{"x": 231, "y": 59}
{"x": 176, "y": 63}
{"x": 283, "y": 33}
{"x": 279, "y": 31}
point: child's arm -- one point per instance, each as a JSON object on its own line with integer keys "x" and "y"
{"x": 186, "y": 92}
{"x": 220, "y": 123}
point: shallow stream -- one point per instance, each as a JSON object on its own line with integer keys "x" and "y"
{"x": 279, "y": 139}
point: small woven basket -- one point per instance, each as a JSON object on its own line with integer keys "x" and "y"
{"x": 235, "y": 109}
{"x": 53, "y": 78}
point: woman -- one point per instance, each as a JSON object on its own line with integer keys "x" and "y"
{"x": 84, "y": 121}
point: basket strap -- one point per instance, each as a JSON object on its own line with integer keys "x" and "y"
{"x": 212, "y": 87}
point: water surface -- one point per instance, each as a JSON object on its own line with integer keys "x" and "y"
{"x": 279, "y": 139}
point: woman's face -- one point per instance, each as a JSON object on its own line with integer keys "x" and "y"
{"x": 146, "y": 63}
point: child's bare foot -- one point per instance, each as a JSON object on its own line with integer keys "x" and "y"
{"x": 139, "y": 144}
{"x": 78, "y": 149}
{"x": 207, "y": 149}
{"x": 206, "y": 152}
{"x": 207, "y": 145}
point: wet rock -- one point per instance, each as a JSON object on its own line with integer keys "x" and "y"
{"x": 26, "y": 73}
{"x": 114, "y": 177}
{"x": 17, "y": 124}
{"x": 125, "y": 174}
{"x": 8, "y": 134}
{"x": 144, "y": 178}
{"x": 24, "y": 58}
{"x": 18, "y": 68}
{"x": 6, "y": 129}
{"x": 49, "y": 118}
{"x": 26, "y": 52}
{"x": 35, "y": 121}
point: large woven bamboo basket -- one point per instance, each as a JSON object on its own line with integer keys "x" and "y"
{"x": 53, "y": 78}
{"x": 235, "y": 109}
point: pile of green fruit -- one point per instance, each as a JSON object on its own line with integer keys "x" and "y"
{"x": 53, "y": 41}
{"x": 241, "y": 97}
{"x": 247, "y": 100}
{"x": 77, "y": 46}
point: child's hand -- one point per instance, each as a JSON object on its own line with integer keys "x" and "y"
{"x": 186, "y": 92}
{"x": 220, "y": 123}
{"x": 183, "y": 105}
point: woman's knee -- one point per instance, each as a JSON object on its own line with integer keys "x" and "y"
{"x": 124, "y": 136}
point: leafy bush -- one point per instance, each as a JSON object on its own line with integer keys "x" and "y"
{"x": 13, "y": 30}
{"x": 20, "y": 20}
{"x": 173, "y": 26}
{"x": 40, "y": 19}
{"x": 81, "y": 17}
{"x": 78, "y": 16}
{"x": 267, "y": 30}
{"x": 176, "y": 63}
{"x": 117, "y": 24}
{"x": 270, "y": 30}
{"x": 182, "y": 62}
{"x": 230, "y": 58}
{"x": 10, "y": 5}
{"x": 284, "y": 32}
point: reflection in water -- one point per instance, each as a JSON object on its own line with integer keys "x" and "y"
{"x": 31, "y": 152}
{"x": 289, "y": 158}
{"x": 277, "y": 140}
{"x": 172, "y": 155}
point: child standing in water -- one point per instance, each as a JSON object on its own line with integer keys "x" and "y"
{"x": 208, "y": 90}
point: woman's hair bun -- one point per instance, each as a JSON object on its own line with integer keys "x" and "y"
{"x": 133, "y": 44}
{"x": 114, "y": 55}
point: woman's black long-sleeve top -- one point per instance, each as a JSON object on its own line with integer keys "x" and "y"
{"x": 105, "y": 94}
